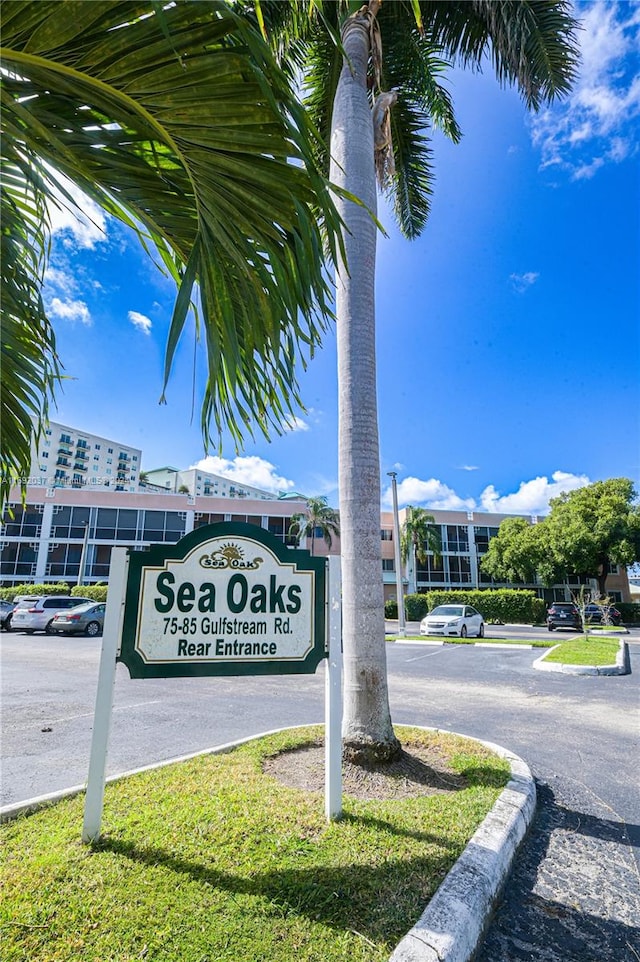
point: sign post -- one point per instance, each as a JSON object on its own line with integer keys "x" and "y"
{"x": 333, "y": 698}
{"x": 227, "y": 599}
{"x": 104, "y": 697}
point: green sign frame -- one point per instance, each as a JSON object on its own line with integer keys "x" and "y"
{"x": 158, "y": 558}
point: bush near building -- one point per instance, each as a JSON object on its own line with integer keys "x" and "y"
{"x": 37, "y": 591}
{"x": 502, "y": 605}
{"x": 95, "y": 592}
{"x": 630, "y": 611}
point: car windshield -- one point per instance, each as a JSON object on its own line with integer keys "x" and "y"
{"x": 455, "y": 610}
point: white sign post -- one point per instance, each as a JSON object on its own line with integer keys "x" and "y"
{"x": 104, "y": 697}
{"x": 333, "y": 697}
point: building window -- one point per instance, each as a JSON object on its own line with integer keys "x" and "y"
{"x": 109, "y": 450}
{"x": 45, "y": 454}
{"x": 26, "y": 521}
{"x": 432, "y": 571}
{"x": 460, "y": 569}
{"x": 97, "y": 447}
{"x": 386, "y": 534}
{"x": 388, "y": 564}
{"x": 483, "y": 535}
{"x": 457, "y": 538}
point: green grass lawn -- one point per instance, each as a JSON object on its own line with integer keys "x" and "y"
{"x": 586, "y": 651}
{"x": 535, "y": 643}
{"x": 211, "y": 860}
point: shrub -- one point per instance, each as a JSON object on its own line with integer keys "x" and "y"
{"x": 94, "y": 592}
{"x": 416, "y": 607}
{"x": 59, "y": 588}
{"x": 630, "y": 611}
{"x": 497, "y": 606}
{"x": 391, "y": 608}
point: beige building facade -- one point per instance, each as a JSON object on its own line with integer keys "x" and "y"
{"x": 61, "y": 529}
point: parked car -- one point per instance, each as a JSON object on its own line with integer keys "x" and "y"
{"x": 602, "y": 614}
{"x": 6, "y": 609}
{"x": 21, "y": 601}
{"x": 85, "y": 619}
{"x": 563, "y": 614}
{"x": 456, "y": 620}
{"x": 40, "y": 614}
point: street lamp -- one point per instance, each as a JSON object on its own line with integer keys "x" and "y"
{"x": 398, "y": 561}
{"x": 83, "y": 555}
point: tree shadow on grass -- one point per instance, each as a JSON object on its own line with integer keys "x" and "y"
{"x": 380, "y": 902}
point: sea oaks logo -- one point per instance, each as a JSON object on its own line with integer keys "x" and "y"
{"x": 229, "y": 556}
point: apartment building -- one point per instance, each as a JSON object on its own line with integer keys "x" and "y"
{"x": 66, "y": 457}
{"x": 61, "y": 530}
{"x": 198, "y": 482}
{"x": 85, "y": 495}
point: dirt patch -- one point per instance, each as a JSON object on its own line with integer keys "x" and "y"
{"x": 422, "y": 771}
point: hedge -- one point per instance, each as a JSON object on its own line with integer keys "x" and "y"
{"x": 37, "y": 591}
{"x": 94, "y": 592}
{"x": 630, "y": 611}
{"x": 497, "y": 606}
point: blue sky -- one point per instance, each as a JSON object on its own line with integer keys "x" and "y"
{"x": 508, "y": 334}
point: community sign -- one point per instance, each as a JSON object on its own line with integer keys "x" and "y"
{"x": 227, "y": 599}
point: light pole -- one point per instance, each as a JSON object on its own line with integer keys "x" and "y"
{"x": 398, "y": 561}
{"x": 83, "y": 556}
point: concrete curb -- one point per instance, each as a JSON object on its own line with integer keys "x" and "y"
{"x": 455, "y": 919}
{"x": 450, "y": 928}
{"x": 621, "y": 667}
{"x": 468, "y": 644}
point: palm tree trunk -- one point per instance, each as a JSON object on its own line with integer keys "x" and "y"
{"x": 413, "y": 581}
{"x": 367, "y": 729}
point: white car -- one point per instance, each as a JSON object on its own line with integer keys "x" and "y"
{"x": 456, "y": 620}
{"x": 39, "y": 614}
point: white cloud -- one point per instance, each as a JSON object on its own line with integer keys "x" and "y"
{"x": 521, "y": 282}
{"x": 60, "y": 280}
{"x": 468, "y": 467}
{"x": 532, "y": 497}
{"x": 82, "y": 226}
{"x": 296, "y": 424}
{"x": 428, "y": 494}
{"x": 597, "y": 122}
{"x": 70, "y": 311}
{"x": 247, "y": 470}
{"x": 140, "y": 321}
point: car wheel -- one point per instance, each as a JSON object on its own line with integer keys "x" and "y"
{"x": 481, "y": 631}
{"x": 550, "y": 627}
{"x": 28, "y": 631}
{"x": 92, "y": 629}
{"x": 48, "y": 630}
{"x": 463, "y": 631}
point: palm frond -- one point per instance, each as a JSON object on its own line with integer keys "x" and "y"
{"x": 531, "y": 43}
{"x": 185, "y": 128}
{"x": 29, "y": 366}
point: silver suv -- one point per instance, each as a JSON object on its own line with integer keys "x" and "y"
{"x": 39, "y": 615}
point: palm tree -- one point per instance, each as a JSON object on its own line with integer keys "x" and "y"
{"x": 373, "y": 97}
{"x": 318, "y": 517}
{"x": 176, "y": 119}
{"x": 418, "y": 536}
